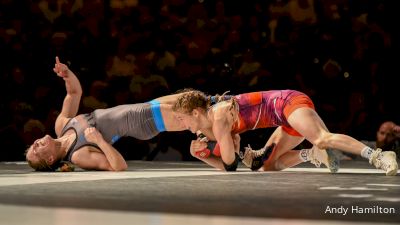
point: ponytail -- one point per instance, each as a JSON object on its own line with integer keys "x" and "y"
{"x": 213, "y": 99}
{"x": 60, "y": 166}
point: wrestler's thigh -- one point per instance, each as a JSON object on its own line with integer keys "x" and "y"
{"x": 284, "y": 142}
{"x": 308, "y": 123}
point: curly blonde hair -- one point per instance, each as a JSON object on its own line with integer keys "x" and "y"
{"x": 191, "y": 100}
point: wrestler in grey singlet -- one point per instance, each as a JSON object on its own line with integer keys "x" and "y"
{"x": 133, "y": 120}
{"x": 142, "y": 121}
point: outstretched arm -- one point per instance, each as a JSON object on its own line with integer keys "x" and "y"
{"x": 72, "y": 99}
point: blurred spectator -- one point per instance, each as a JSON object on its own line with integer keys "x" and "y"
{"x": 146, "y": 84}
{"x": 302, "y": 11}
{"x": 50, "y": 121}
{"x": 51, "y": 9}
{"x": 33, "y": 129}
{"x": 95, "y": 99}
{"x": 131, "y": 50}
{"x": 122, "y": 63}
{"x": 248, "y": 68}
{"x": 361, "y": 118}
{"x": 119, "y": 91}
{"x": 220, "y": 17}
{"x": 387, "y": 138}
{"x": 13, "y": 133}
{"x": 233, "y": 41}
{"x": 120, "y": 4}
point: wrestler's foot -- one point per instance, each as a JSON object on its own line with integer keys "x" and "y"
{"x": 384, "y": 160}
{"x": 254, "y": 159}
{"x": 326, "y": 157}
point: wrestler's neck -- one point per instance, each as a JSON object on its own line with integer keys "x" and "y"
{"x": 64, "y": 143}
{"x": 225, "y": 108}
{"x": 209, "y": 119}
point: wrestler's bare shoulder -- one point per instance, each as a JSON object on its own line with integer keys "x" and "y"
{"x": 222, "y": 106}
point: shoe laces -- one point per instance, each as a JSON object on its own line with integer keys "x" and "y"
{"x": 313, "y": 158}
{"x": 373, "y": 160}
{"x": 254, "y": 153}
{"x": 377, "y": 157}
{"x": 316, "y": 162}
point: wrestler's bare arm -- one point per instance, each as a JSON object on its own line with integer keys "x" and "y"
{"x": 72, "y": 99}
{"x": 222, "y": 128}
{"x": 92, "y": 159}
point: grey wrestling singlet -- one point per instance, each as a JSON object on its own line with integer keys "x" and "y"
{"x": 133, "y": 120}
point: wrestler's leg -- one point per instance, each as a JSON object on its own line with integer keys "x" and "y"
{"x": 282, "y": 156}
{"x": 308, "y": 123}
{"x": 292, "y": 158}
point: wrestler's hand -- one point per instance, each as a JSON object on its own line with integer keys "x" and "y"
{"x": 198, "y": 147}
{"x": 396, "y": 131}
{"x": 93, "y": 135}
{"x": 61, "y": 69}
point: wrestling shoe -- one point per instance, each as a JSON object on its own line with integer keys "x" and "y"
{"x": 254, "y": 159}
{"x": 384, "y": 160}
{"x": 327, "y": 157}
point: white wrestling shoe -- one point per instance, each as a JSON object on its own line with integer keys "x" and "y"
{"x": 254, "y": 159}
{"x": 326, "y": 157}
{"x": 384, "y": 160}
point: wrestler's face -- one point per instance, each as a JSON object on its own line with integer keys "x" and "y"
{"x": 190, "y": 121}
{"x": 41, "y": 149}
{"x": 385, "y": 135}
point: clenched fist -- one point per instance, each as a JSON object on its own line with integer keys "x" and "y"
{"x": 93, "y": 135}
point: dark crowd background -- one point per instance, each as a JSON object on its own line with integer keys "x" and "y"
{"x": 342, "y": 53}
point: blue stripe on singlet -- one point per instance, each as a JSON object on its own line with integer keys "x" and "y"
{"x": 155, "y": 109}
{"x": 115, "y": 138}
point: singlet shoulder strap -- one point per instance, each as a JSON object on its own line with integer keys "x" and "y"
{"x": 78, "y": 125}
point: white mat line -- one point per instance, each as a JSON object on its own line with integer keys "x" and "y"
{"x": 42, "y": 177}
{"x": 341, "y": 170}
{"x": 37, "y": 178}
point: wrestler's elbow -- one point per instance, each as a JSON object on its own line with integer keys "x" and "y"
{"x": 124, "y": 167}
{"x": 120, "y": 167}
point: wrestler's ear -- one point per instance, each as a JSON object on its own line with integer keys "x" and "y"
{"x": 50, "y": 160}
{"x": 195, "y": 113}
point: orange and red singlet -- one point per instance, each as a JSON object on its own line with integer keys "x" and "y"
{"x": 269, "y": 109}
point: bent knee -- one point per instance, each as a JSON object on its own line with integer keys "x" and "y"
{"x": 323, "y": 142}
